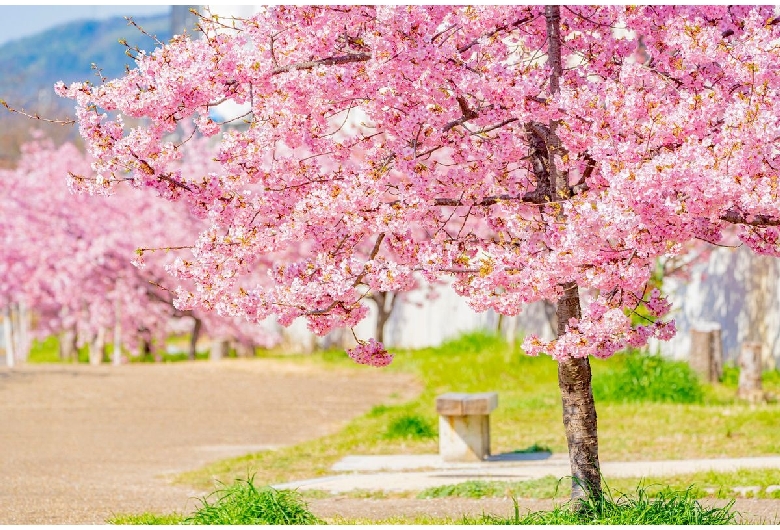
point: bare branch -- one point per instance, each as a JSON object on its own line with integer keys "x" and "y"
{"x": 328, "y": 61}
{"x": 35, "y": 116}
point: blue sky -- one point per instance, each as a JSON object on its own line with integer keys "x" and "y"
{"x": 18, "y": 21}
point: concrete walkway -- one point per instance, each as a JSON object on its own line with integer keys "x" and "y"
{"x": 401, "y": 473}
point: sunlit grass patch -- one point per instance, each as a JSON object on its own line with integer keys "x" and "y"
{"x": 648, "y": 378}
{"x": 410, "y": 426}
{"x": 543, "y": 488}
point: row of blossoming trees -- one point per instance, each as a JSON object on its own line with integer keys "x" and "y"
{"x": 67, "y": 263}
{"x": 522, "y": 152}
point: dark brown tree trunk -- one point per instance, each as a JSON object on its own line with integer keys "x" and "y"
{"x": 194, "y": 339}
{"x": 579, "y": 408}
{"x": 574, "y": 375}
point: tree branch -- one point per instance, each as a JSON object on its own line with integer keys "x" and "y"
{"x": 737, "y": 218}
{"x": 328, "y": 61}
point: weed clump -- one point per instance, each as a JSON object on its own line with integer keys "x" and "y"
{"x": 650, "y": 378}
{"x": 410, "y": 426}
{"x": 664, "y": 508}
{"x": 244, "y": 504}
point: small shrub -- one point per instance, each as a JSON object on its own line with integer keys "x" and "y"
{"x": 244, "y": 504}
{"x": 648, "y": 378}
{"x": 410, "y": 426}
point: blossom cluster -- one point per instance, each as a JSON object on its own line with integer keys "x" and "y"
{"x": 370, "y": 352}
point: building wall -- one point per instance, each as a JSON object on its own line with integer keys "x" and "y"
{"x": 737, "y": 290}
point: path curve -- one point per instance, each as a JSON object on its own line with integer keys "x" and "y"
{"x": 80, "y": 443}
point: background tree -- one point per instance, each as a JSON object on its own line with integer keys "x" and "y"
{"x": 522, "y": 151}
{"x": 68, "y": 258}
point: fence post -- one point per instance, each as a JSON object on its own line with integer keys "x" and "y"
{"x": 706, "y": 356}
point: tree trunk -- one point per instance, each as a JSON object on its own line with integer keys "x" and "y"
{"x": 385, "y": 301}
{"x": 69, "y": 350}
{"x": 579, "y": 408}
{"x": 219, "y": 349}
{"x": 22, "y": 332}
{"x": 117, "y": 357}
{"x": 750, "y": 372}
{"x": 146, "y": 347}
{"x": 8, "y": 335}
{"x": 97, "y": 348}
{"x": 574, "y": 375}
{"x": 197, "y": 326}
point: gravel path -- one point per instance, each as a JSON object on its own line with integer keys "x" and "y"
{"x": 80, "y": 443}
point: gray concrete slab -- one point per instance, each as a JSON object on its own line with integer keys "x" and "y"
{"x": 398, "y": 473}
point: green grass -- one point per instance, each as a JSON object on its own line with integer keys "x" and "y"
{"x": 705, "y": 484}
{"x": 665, "y": 508}
{"x": 529, "y": 413}
{"x": 770, "y": 379}
{"x": 411, "y": 426}
{"x": 543, "y": 488}
{"x": 648, "y": 378}
{"x": 47, "y": 351}
{"x": 244, "y": 504}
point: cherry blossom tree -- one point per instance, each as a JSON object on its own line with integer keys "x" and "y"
{"x": 525, "y": 152}
{"x": 68, "y": 258}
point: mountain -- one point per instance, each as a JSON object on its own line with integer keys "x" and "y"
{"x": 30, "y": 66}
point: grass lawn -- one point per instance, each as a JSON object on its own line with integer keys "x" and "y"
{"x": 710, "y": 423}
{"x": 246, "y": 504}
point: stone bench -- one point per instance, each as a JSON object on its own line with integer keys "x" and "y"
{"x": 464, "y": 425}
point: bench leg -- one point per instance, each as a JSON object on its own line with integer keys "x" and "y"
{"x": 464, "y": 438}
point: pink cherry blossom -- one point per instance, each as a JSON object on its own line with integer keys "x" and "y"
{"x": 391, "y": 145}
{"x": 370, "y": 352}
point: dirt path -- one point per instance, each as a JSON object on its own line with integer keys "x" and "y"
{"x": 79, "y": 443}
